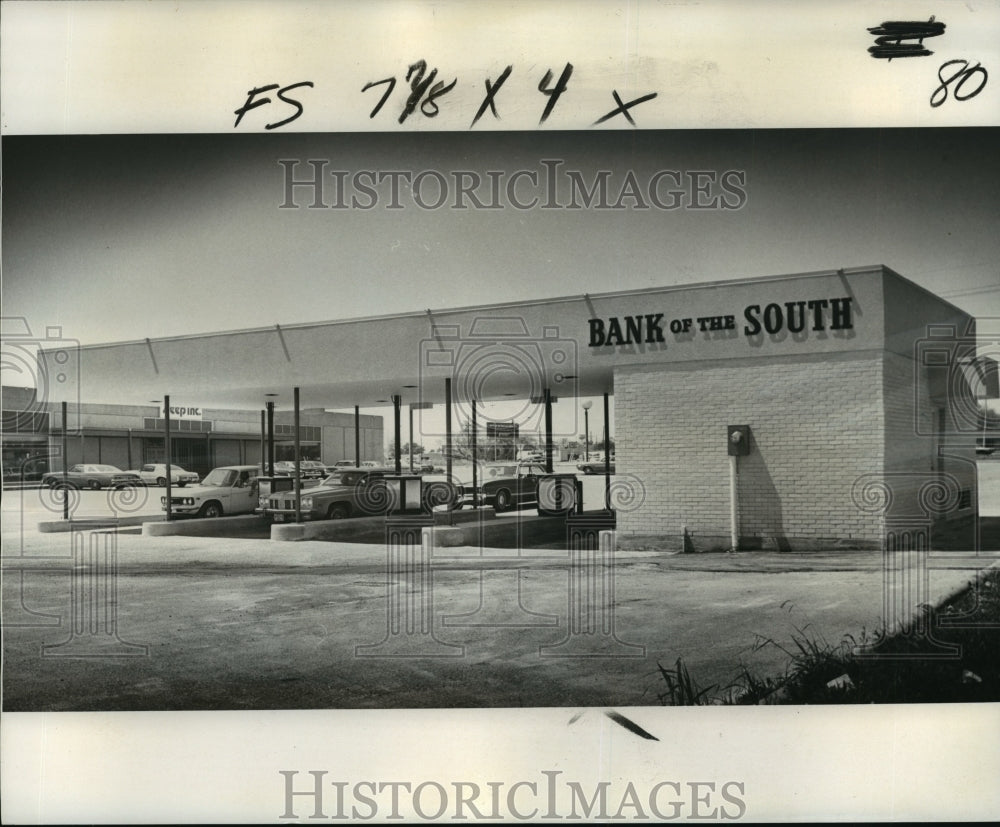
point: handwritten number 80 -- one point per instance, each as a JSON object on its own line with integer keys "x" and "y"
{"x": 940, "y": 94}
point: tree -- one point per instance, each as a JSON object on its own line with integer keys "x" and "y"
{"x": 405, "y": 451}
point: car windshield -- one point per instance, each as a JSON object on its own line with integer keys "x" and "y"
{"x": 351, "y": 477}
{"x": 495, "y": 471}
{"x": 105, "y": 469}
{"x": 220, "y": 476}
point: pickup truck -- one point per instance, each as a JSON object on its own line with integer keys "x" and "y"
{"x": 231, "y": 489}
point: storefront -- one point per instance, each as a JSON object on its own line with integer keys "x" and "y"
{"x": 128, "y": 436}
{"x": 25, "y": 429}
{"x": 855, "y": 394}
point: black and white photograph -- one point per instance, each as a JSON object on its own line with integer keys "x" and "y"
{"x": 508, "y": 436}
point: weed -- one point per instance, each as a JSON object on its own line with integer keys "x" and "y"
{"x": 681, "y": 689}
{"x": 875, "y": 667}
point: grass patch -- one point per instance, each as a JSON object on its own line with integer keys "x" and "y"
{"x": 947, "y": 656}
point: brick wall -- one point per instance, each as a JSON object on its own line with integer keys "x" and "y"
{"x": 930, "y": 453}
{"x": 817, "y": 425}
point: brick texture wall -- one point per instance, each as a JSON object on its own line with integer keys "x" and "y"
{"x": 930, "y": 457}
{"x": 817, "y": 426}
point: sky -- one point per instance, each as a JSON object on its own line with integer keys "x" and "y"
{"x": 126, "y": 237}
{"x": 120, "y": 237}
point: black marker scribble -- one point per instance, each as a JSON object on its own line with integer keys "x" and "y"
{"x": 623, "y": 108}
{"x": 419, "y": 85}
{"x": 631, "y": 726}
{"x": 892, "y": 33}
{"x": 371, "y": 84}
{"x": 491, "y": 94}
{"x": 556, "y": 91}
{"x": 253, "y": 101}
{"x": 425, "y": 90}
{"x": 940, "y": 95}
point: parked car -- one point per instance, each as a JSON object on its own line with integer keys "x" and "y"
{"x": 343, "y": 463}
{"x": 353, "y": 492}
{"x": 30, "y": 469}
{"x": 595, "y": 466}
{"x": 313, "y": 469}
{"x": 350, "y": 492}
{"x": 309, "y": 469}
{"x": 90, "y": 476}
{"x": 506, "y": 485}
{"x": 231, "y": 489}
{"x": 156, "y": 474}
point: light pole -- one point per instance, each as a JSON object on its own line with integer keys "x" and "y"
{"x": 586, "y": 430}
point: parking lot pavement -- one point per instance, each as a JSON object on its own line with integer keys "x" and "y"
{"x": 227, "y": 623}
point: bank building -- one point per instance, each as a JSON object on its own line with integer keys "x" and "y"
{"x": 831, "y": 409}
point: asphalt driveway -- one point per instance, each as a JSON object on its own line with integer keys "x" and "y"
{"x": 214, "y": 623}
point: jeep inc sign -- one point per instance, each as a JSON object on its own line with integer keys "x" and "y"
{"x": 181, "y": 412}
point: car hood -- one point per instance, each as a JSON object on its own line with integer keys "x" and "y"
{"x": 206, "y": 490}
{"x": 323, "y": 489}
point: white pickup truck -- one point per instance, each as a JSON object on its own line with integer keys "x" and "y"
{"x": 231, "y": 489}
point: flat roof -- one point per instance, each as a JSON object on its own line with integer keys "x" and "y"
{"x": 492, "y": 352}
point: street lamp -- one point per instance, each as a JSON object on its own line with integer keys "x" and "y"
{"x": 586, "y": 430}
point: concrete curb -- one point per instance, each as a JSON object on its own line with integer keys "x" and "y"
{"x": 80, "y": 524}
{"x": 366, "y": 529}
{"x": 202, "y": 527}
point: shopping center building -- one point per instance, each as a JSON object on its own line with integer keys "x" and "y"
{"x": 853, "y": 395}
{"x": 129, "y": 436}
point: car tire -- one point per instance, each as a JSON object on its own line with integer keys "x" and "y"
{"x": 94, "y": 485}
{"x": 588, "y": 470}
{"x": 338, "y": 511}
{"x": 502, "y": 500}
{"x": 210, "y": 509}
{"x": 181, "y": 484}
{"x": 161, "y": 481}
